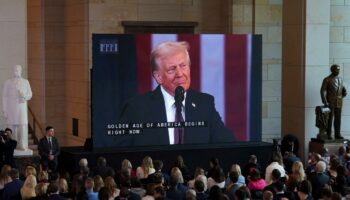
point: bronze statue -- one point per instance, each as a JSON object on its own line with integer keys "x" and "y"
{"x": 332, "y": 93}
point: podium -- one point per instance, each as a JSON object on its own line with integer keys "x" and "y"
{"x": 317, "y": 145}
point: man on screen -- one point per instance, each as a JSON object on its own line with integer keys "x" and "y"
{"x": 170, "y": 64}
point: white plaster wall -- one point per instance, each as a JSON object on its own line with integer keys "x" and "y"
{"x": 13, "y": 41}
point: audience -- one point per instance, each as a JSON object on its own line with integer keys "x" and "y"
{"x": 323, "y": 181}
{"x": 145, "y": 169}
{"x": 103, "y": 169}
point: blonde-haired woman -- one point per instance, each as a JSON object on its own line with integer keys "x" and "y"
{"x": 28, "y": 188}
{"x": 236, "y": 168}
{"x": 145, "y": 169}
{"x": 127, "y": 166}
{"x": 296, "y": 177}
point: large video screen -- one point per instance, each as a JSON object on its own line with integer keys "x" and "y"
{"x": 133, "y": 103}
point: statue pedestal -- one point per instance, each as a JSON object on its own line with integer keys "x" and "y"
{"x": 23, "y": 153}
{"x": 317, "y": 145}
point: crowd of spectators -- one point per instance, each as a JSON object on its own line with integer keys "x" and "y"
{"x": 324, "y": 177}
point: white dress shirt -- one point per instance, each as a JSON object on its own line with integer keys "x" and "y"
{"x": 170, "y": 110}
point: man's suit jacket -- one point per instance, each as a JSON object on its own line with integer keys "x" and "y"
{"x": 12, "y": 189}
{"x": 150, "y": 107}
{"x": 44, "y": 148}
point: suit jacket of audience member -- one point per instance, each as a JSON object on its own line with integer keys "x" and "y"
{"x": 201, "y": 196}
{"x": 8, "y": 149}
{"x": 12, "y": 190}
{"x": 104, "y": 171}
{"x": 44, "y": 148}
{"x": 318, "y": 181}
{"x": 150, "y": 107}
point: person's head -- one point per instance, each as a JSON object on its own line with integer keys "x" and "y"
{"x": 242, "y": 193}
{"x": 126, "y": 165}
{"x": 158, "y": 165}
{"x": 43, "y": 176}
{"x": 62, "y": 185}
{"x": 298, "y": 169}
{"x": 267, "y": 195}
{"x": 336, "y": 196}
{"x": 199, "y": 186}
{"x": 5, "y": 170}
{"x": 17, "y": 71}
{"x": 320, "y": 167}
{"x": 158, "y": 178}
{"x": 198, "y": 171}
{"x": 29, "y": 170}
{"x": 176, "y": 172}
{"x": 83, "y": 163}
{"x": 214, "y": 162}
{"x": 53, "y": 188}
{"x": 40, "y": 189}
{"x": 14, "y": 174}
{"x": 159, "y": 192}
{"x": 50, "y": 131}
{"x": 204, "y": 180}
{"x": 190, "y": 194}
{"x": 8, "y": 133}
{"x": 101, "y": 161}
{"x": 277, "y": 157}
{"x": 98, "y": 183}
{"x": 30, "y": 182}
{"x": 236, "y": 168}
{"x": 89, "y": 184}
{"x": 255, "y": 175}
{"x": 341, "y": 150}
{"x": 275, "y": 175}
{"x": 326, "y": 193}
{"x": 334, "y": 163}
{"x": 335, "y": 69}
{"x": 179, "y": 162}
{"x": 170, "y": 64}
{"x": 234, "y": 176}
{"x": 253, "y": 159}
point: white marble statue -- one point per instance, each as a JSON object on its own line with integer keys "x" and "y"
{"x": 15, "y": 95}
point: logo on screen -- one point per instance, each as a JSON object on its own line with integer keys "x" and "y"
{"x": 108, "y": 47}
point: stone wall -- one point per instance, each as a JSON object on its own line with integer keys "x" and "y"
{"x": 265, "y": 18}
{"x": 339, "y": 51}
{"x": 268, "y": 22}
{"x": 13, "y": 42}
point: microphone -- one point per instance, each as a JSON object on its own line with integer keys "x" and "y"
{"x": 179, "y": 96}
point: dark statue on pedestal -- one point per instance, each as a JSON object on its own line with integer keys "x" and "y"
{"x": 332, "y": 94}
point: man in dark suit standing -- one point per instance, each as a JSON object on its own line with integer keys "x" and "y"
{"x": 49, "y": 150}
{"x": 170, "y": 64}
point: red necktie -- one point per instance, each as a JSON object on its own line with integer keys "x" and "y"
{"x": 179, "y": 133}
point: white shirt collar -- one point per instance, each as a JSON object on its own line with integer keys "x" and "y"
{"x": 169, "y": 100}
